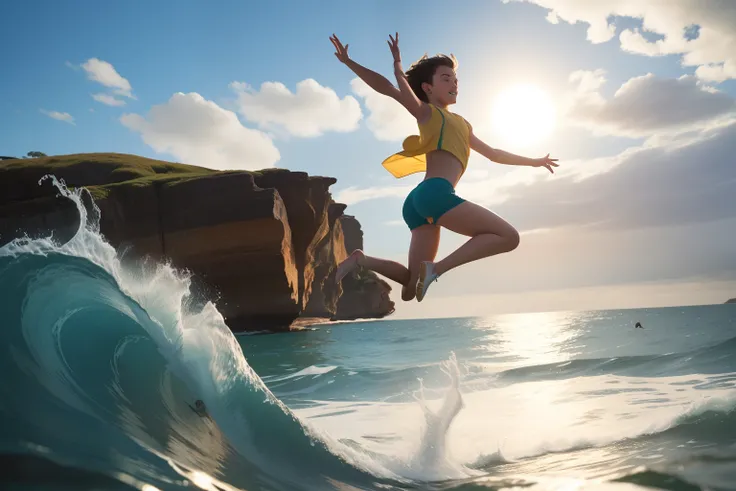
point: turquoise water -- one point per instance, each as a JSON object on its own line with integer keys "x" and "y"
{"x": 103, "y": 364}
{"x": 552, "y": 397}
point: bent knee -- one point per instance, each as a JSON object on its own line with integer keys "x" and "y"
{"x": 512, "y": 239}
{"x": 509, "y": 238}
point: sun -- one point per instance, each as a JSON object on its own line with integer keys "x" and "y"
{"x": 523, "y": 115}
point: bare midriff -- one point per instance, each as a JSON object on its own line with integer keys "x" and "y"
{"x": 443, "y": 164}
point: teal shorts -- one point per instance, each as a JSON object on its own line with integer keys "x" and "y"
{"x": 427, "y": 202}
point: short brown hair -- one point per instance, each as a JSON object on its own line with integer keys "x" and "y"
{"x": 424, "y": 69}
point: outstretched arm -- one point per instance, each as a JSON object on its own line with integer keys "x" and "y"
{"x": 381, "y": 84}
{"x": 503, "y": 157}
{"x": 407, "y": 98}
{"x": 374, "y": 80}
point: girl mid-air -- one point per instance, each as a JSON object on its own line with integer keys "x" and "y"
{"x": 441, "y": 150}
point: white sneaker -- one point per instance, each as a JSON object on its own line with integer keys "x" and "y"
{"x": 426, "y": 276}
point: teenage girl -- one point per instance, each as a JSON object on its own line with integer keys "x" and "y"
{"x": 441, "y": 151}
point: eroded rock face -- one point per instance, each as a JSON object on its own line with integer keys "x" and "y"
{"x": 263, "y": 244}
{"x": 307, "y": 201}
{"x": 331, "y": 252}
{"x": 236, "y": 238}
{"x": 37, "y": 217}
{"x": 361, "y": 294}
{"x": 353, "y": 233}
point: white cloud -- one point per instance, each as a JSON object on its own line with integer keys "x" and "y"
{"x": 712, "y": 50}
{"x": 676, "y": 183}
{"x": 494, "y": 190}
{"x": 201, "y": 132}
{"x": 589, "y": 81}
{"x": 395, "y": 223}
{"x": 635, "y": 42}
{"x": 387, "y": 119}
{"x": 645, "y": 105}
{"x": 535, "y": 231}
{"x": 353, "y": 194}
{"x": 104, "y": 73}
{"x": 108, "y": 99}
{"x": 310, "y": 111}
{"x": 65, "y": 117}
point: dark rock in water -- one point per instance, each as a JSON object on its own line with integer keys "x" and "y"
{"x": 263, "y": 244}
{"x": 732, "y": 300}
{"x": 364, "y": 296}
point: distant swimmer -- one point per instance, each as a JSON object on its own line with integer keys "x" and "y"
{"x": 638, "y": 326}
{"x": 199, "y": 408}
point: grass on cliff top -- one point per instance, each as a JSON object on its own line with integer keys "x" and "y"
{"x": 114, "y": 162}
{"x": 108, "y": 169}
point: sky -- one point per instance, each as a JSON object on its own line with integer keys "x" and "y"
{"x": 638, "y": 103}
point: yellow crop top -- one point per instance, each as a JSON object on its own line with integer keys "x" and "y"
{"x": 444, "y": 131}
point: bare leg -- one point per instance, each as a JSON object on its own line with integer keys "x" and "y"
{"x": 424, "y": 244}
{"x": 490, "y": 235}
{"x": 385, "y": 267}
{"x": 425, "y": 241}
{"x": 390, "y": 269}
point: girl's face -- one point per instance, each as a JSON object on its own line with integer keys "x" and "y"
{"x": 443, "y": 90}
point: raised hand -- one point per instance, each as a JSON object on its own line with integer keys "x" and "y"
{"x": 547, "y": 163}
{"x": 341, "y": 52}
{"x": 393, "y": 44}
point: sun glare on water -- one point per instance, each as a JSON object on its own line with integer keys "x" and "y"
{"x": 523, "y": 115}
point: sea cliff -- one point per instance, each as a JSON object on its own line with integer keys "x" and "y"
{"x": 263, "y": 245}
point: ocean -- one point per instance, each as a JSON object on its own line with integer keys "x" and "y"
{"x": 103, "y": 365}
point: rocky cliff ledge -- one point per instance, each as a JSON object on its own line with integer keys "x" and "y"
{"x": 263, "y": 244}
{"x": 731, "y": 300}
